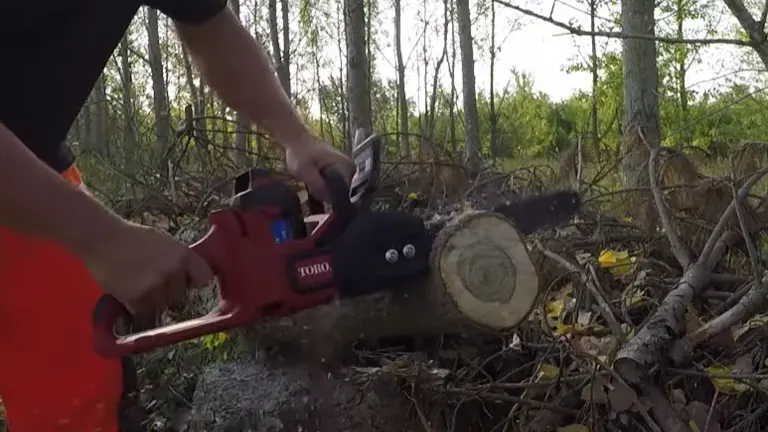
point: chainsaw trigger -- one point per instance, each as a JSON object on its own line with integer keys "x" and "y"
{"x": 380, "y": 251}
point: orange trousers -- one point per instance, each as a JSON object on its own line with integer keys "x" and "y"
{"x": 50, "y": 378}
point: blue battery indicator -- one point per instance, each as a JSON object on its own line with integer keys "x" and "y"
{"x": 281, "y": 230}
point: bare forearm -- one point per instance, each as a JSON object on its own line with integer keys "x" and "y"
{"x": 237, "y": 68}
{"x": 35, "y": 200}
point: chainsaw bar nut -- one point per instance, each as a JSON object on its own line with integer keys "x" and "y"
{"x": 409, "y": 251}
{"x": 391, "y": 256}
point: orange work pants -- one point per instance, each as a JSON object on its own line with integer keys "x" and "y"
{"x": 50, "y": 378}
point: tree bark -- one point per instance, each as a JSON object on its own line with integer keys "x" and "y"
{"x": 97, "y": 125}
{"x": 242, "y": 155}
{"x": 402, "y": 102}
{"x": 471, "y": 119}
{"x": 159, "y": 92}
{"x": 358, "y": 80}
{"x": 641, "y": 107}
{"x": 130, "y": 134}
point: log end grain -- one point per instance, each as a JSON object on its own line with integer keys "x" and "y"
{"x": 486, "y": 270}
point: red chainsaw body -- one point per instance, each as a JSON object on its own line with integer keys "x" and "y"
{"x": 256, "y": 278}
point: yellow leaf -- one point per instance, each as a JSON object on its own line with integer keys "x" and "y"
{"x": 563, "y": 329}
{"x": 573, "y": 428}
{"x": 626, "y": 219}
{"x": 617, "y": 262}
{"x": 763, "y": 242}
{"x": 692, "y": 426}
{"x": 413, "y": 195}
{"x": 754, "y": 322}
{"x": 221, "y": 337}
{"x": 636, "y": 297}
{"x": 213, "y": 340}
{"x": 555, "y": 308}
{"x": 547, "y": 371}
{"x": 724, "y": 384}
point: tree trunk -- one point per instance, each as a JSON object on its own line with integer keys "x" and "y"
{"x": 343, "y": 112}
{"x": 681, "y": 58}
{"x": 402, "y": 102}
{"x": 97, "y": 119}
{"x": 286, "y": 59}
{"x": 358, "y": 81}
{"x": 641, "y": 107}
{"x": 594, "y": 70}
{"x": 436, "y": 78}
{"x": 452, "y": 73}
{"x": 471, "y": 120}
{"x": 159, "y": 92}
{"x": 492, "y": 119}
{"x": 130, "y": 135}
{"x": 281, "y": 57}
{"x": 242, "y": 156}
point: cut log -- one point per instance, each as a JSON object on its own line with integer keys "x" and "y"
{"x": 482, "y": 279}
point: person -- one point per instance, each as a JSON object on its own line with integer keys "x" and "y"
{"x": 60, "y": 249}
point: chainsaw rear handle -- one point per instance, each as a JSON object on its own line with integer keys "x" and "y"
{"x": 109, "y": 311}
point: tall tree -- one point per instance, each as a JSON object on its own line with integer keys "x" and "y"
{"x": 402, "y": 102}
{"x": 471, "y": 119}
{"x": 641, "y": 126}
{"x": 243, "y": 125}
{"x": 159, "y": 91}
{"x": 358, "y": 80}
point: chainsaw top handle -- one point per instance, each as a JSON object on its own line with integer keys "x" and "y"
{"x": 339, "y": 193}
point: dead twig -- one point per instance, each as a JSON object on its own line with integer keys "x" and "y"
{"x": 604, "y": 308}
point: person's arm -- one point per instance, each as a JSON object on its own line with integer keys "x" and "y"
{"x": 35, "y": 200}
{"x": 237, "y": 68}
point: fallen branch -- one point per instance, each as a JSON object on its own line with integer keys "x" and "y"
{"x": 635, "y": 359}
{"x": 679, "y": 249}
{"x": 755, "y": 300}
{"x": 603, "y": 306}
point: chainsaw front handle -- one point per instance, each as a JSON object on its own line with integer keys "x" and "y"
{"x": 109, "y": 311}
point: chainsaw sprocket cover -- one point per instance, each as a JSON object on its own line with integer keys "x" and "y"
{"x": 379, "y": 251}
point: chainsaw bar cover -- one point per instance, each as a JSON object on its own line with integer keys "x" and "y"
{"x": 380, "y": 251}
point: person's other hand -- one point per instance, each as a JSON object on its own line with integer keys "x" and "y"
{"x": 145, "y": 268}
{"x": 308, "y": 158}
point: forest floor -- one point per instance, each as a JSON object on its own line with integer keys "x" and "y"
{"x": 625, "y": 337}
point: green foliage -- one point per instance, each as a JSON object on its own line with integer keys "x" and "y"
{"x": 528, "y": 124}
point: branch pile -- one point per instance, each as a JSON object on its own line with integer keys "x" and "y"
{"x": 629, "y": 333}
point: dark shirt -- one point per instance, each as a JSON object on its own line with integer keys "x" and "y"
{"x": 52, "y": 53}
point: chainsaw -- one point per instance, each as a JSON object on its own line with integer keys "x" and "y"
{"x": 269, "y": 264}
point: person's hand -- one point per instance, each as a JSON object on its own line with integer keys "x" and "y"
{"x": 308, "y": 158}
{"x": 145, "y": 268}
